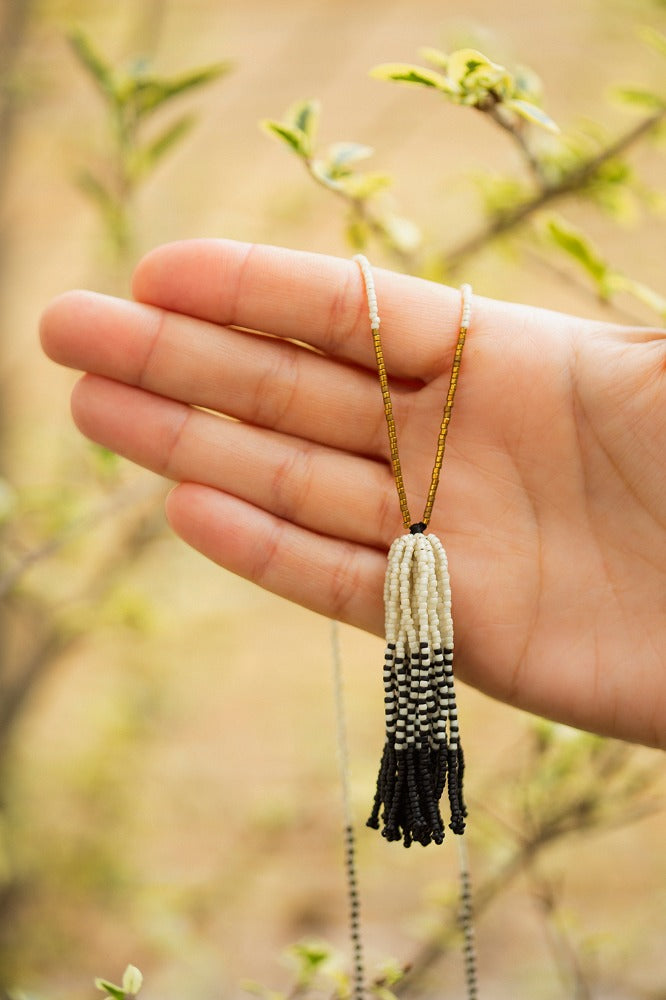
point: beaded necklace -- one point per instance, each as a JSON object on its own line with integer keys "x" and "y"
{"x": 422, "y": 754}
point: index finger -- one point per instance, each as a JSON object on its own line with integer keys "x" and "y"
{"x": 313, "y": 298}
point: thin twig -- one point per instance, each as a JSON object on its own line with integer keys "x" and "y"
{"x": 360, "y": 209}
{"x": 123, "y": 498}
{"x": 56, "y": 638}
{"x": 564, "y": 953}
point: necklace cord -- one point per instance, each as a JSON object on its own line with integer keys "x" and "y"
{"x": 466, "y": 292}
{"x": 357, "y": 976}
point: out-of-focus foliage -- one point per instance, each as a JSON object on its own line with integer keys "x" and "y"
{"x": 132, "y": 95}
{"x": 130, "y": 987}
{"x": 468, "y": 77}
{"x": 587, "y": 165}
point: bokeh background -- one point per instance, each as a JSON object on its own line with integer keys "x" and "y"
{"x": 138, "y": 823}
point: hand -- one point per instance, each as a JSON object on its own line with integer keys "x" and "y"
{"x": 552, "y": 504}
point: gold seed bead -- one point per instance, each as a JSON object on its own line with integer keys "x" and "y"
{"x": 466, "y": 310}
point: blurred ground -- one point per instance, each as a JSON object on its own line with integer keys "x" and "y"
{"x": 225, "y": 811}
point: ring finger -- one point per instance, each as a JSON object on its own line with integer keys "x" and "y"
{"x": 307, "y": 484}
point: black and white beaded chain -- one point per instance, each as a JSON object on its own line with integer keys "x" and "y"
{"x": 422, "y": 754}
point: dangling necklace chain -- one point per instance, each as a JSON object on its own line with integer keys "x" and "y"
{"x": 466, "y": 292}
{"x": 422, "y": 757}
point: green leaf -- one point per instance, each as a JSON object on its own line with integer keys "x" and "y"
{"x": 474, "y": 73}
{"x": 362, "y": 186}
{"x": 148, "y": 157}
{"x": 383, "y": 993}
{"x": 532, "y": 113}
{"x": 303, "y": 116}
{"x": 92, "y": 61}
{"x": 576, "y": 244}
{"x": 310, "y": 957}
{"x": 655, "y": 39}
{"x": 145, "y": 93}
{"x": 636, "y": 97}
{"x": 390, "y": 972}
{"x": 462, "y": 62}
{"x": 291, "y": 136}
{"x": 357, "y": 233}
{"x": 110, "y": 989}
{"x": 406, "y": 73}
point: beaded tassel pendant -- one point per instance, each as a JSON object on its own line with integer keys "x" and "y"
{"x": 422, "y": 754}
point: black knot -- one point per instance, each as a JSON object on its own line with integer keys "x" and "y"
{"x": 418, "y": 529}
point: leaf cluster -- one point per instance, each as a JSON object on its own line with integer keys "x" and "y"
{"x": 130, "y": 987}
{"x": 132, "y": 96}
{"x": 608, "y": 281}
{"x": 468, "y": 77}
{"x": 337, "y": 169}
{"x": 317, "y": 971}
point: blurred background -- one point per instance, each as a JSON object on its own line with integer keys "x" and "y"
{"x": 137, "y": 821}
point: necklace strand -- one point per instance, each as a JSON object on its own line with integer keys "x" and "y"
{"x": 375, "y": 322}
{"x": 405, "y": 586}
{"x": 357, "y": 985}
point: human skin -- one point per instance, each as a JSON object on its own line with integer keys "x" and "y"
{"x": 552, "y": 504}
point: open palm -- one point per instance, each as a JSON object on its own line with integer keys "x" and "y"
{"x": 552, "y": 504}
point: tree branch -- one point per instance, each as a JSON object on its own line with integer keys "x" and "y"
{"x": 570, "y": 182}
{"x": 120, "y": 500}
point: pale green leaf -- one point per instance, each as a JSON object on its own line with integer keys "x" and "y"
{"x": 91, "y": 60}
{"x": 361, "y": 186}
{"x": 475, "y": 74}
{"x": 532, "y": 113}
{"x": 648, "y": 296}
{"x": 148, "y": 93}
{"x": 132, "y": 980}
{"x": 383, "y": 993}
{"x": 404, "y": 234}
{"x": 654, "y": 38}
{"x": 436, "y": 57}
{"x": 462, "y": 62}
{"x": 322, "y": 171}
{"x": 110, "y": 989}
{"x": 527, "y": 85}
{"x": 406, "y": 73}
{"x": 639, "y": 98}
{"x": 310, "y": 955}
{"x": 576, "y": 244}
{"x": 148, "y": 157}
{"x": 357, "y": 233}
{"x": 391, "y": 972}
{"x": 310, "y": 958}
{"x": 344, "y": 154}
{"x": 291, "y": 136}
{"x": 303, "y": 116}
